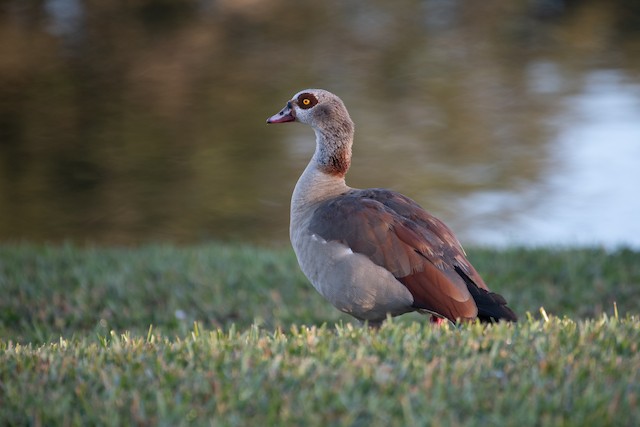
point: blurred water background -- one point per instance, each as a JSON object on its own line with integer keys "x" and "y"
{"x": 124, "y": 122}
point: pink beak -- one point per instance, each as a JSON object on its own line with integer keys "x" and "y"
{"x": 287, "y": 114}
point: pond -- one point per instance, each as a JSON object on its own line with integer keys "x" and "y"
{"x": 514, "y": 122}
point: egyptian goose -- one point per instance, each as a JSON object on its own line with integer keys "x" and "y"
{"x": 374, "y": 252}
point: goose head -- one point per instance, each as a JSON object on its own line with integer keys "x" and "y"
{"x": 328, "y": 117}
{"x": 316, "y": 107}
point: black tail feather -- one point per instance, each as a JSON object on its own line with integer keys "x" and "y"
{"x": 492, "y": 307}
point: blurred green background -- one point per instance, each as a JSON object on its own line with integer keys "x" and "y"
{"x": 124, "y": 122}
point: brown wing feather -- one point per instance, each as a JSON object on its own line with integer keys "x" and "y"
{"x": 395, "y": 233}
{"x": 451, "y": 248}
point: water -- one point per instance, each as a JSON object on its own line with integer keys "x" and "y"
{"x": 590, "y": 193}
{"x": 124, "y": 124}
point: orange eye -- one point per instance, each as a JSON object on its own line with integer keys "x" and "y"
{"x": 307, "y": 100}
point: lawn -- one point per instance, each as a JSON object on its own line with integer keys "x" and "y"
{"x": 224, "y": 334}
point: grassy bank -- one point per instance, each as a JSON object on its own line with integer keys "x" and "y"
{"x": 266, "y": 349}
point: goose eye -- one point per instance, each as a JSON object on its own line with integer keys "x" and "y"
{"x": 307, "y": 100}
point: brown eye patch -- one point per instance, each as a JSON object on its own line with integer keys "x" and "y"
{"x": 307, "y": 100}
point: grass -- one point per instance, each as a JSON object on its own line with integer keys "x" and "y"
{"x": 234, "y": 335}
